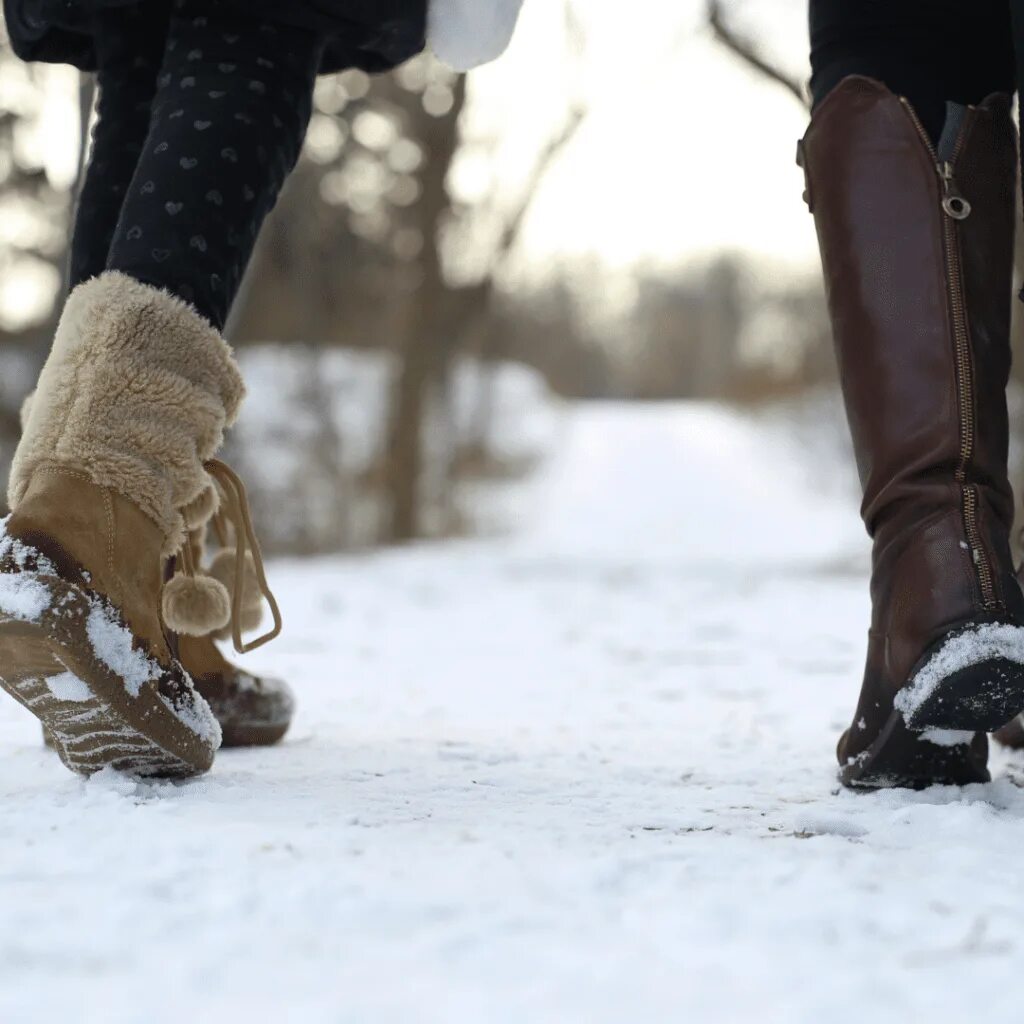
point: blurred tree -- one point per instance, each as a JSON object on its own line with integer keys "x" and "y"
{"x": 34, "y": 216}
{"x": 356, "y": 254}
{"x": 34, "y": 212}
{"x": 353, "y": 253}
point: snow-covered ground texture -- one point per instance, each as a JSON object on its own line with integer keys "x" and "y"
{"x": 581, "y": 774}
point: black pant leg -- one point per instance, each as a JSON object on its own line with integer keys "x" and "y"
{"x": 130, "y": 49}
{"x": 233, "y": 100}
{"x": 930, "y": 51}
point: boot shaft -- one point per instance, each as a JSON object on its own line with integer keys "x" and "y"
{"x": 917, "y": 250}
{"x": 916, "y": 243}
{"x": 135, "y": 396}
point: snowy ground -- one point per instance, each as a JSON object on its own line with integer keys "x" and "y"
{"x": 583, "y": 774}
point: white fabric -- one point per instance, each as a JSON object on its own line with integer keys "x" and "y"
{"x": 466, "y": 33}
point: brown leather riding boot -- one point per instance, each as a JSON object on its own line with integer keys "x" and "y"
{"x": 130, "y": 405}
{"x": 916, "y": 244}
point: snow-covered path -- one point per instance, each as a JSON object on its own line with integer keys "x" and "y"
{"x": 583, "y": 774}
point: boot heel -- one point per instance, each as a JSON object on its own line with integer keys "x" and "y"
{"x": 972, "y": 679}
{"x": 902, "y": 758}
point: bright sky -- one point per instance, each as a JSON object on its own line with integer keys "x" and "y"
{"x": 684, "y": 151}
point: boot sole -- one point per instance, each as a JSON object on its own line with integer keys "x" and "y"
{"x": 234, "y": 736}
{"x": 972, "y": 679}
{"x": 982, "y": 698}
{"x": 50, "y": 667}
{"x": 902, "y": 759}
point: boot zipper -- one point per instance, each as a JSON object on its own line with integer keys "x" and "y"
{"x": 957, "y": 208}
{"x": 953, "y": 201}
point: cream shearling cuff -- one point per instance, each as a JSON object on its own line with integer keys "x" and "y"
{"x": 136, "y": 394}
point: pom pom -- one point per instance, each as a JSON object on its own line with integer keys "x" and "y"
{"x": 196, "y": 605}
{"x": 200, "y": 510}
{"x": 222, "y": 568}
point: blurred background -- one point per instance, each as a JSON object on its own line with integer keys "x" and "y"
{"x": 610, "y": 212}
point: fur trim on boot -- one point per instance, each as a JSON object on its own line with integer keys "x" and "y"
{"x": 202, "y": 509}
{"x": 136, "y": 394}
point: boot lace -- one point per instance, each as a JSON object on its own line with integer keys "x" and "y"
{"x": 234, "y": 511}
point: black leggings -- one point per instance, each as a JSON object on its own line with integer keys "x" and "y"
{"x": 930, "y": 51}
{"x": 200, "y": 118}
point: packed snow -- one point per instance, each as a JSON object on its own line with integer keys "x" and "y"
{"x": 23, "y": 597}
{"x": 112, "y": 643}
{"x": 582, "y": 773}
{"x": 68, "y": 687}
{"x": 970, "y": 647}
{"x": 948, "y": 737}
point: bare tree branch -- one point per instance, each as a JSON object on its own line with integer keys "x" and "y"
{"x": 576, "y": 39}
{"x": 546, "y": 157}
{"x": 747, "y": 52}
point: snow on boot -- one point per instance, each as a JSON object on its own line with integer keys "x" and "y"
{"x": 251, "y": 710}
{"x": 916, "y": 243}
{"x": 131, "y": 402}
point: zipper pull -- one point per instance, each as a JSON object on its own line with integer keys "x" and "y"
{"x": 953, "y": 201}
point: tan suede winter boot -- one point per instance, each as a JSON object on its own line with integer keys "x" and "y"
{"x": 130, "y": 405}
{"x": 251, "y": 710}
